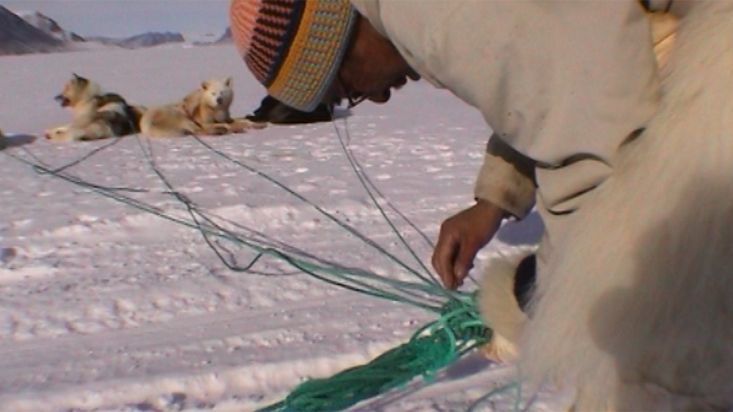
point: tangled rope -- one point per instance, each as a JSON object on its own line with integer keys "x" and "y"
{"x": 433, "y": 347}
{"x": 457, "y": 330}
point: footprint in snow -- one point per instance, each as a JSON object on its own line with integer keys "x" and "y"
{"x": 7, "y": 254}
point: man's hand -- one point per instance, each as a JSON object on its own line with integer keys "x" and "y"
{"x": 461, "y": 237}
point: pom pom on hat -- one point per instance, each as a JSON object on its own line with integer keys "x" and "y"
{"x": 293, "y": 47}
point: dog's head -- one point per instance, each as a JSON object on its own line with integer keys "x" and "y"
{"x": 58, "y": 134}
{"x": 218, "y": 93}
{"x": 76, "y": 89}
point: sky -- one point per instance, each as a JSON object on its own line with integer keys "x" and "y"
{"x": 119, "y": 18}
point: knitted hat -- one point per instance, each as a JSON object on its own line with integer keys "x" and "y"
{"x": 293, "y": 47}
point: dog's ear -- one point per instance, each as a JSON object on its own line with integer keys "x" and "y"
{"x": 228, "y": 81}
{"x": 205, "y": 85}
{"x": 79, "y": 79}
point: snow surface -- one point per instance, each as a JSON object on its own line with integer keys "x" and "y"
{"x": 106, "y": 308}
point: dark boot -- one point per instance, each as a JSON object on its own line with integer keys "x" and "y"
{"x": 273, "y": 111}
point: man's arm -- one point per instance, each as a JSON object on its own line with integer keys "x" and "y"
{"x": 506, "y": 179}
{"x": 504, "y": 187}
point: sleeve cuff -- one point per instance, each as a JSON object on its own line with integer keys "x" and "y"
{"x": 506, "y": 179}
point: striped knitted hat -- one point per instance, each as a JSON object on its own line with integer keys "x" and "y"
{"x": 293, "y": 47}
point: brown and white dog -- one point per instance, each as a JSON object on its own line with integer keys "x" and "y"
{"x": 95, "y": 115}
{"x": 203, "y": 111}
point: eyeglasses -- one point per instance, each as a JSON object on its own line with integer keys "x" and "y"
{"x": 352, "y": 98}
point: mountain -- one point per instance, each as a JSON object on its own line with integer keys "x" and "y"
{"x": 17, "y": 36}
{"x": 210, "y": 39}
{"x": 49, "y": 26}
{"x": 141, "y": 40}
{"x": 151, "y": 39}
{"x": 226, "y": 37}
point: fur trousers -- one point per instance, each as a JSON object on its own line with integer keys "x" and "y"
{"x": 634, "y": 306}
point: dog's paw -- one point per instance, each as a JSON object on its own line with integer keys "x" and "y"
{"x": 214, "y": 130}
{"x": 248, "y": 124}
{"x": 237, "y": 128}
{"x": 58, "y": 134}
{"x": 256, "y": 125}
{"x": 500, "y": 350}
{"x": 219, "y": 130}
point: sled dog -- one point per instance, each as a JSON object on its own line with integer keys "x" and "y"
{"x": 636, "y": 310}
{"x": 203, "y": 111}
{"x": 95, "y": 115}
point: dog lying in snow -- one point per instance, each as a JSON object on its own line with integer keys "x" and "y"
{"x": 203, "y": 111}
{"x": 95, "y": 115}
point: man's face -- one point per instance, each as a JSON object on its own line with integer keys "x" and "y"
{"x": 371, "y": 67}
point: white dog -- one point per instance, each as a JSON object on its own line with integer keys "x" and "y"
{"x": 203, "y": 111}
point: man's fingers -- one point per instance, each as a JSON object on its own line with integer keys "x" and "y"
{"x": 461, "y": 236}
{"x": 463, "y": 262}
{"x": 443, "y": 257}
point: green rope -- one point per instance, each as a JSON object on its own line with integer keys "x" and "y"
{"x": 424, "y": 293}
{"x": 458, "y": 330}
{"x": 438, "y": 344}
{"x": 355, "y": 280}
{"x": 326, "y": 214}
{"x": 361, "y": 176}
